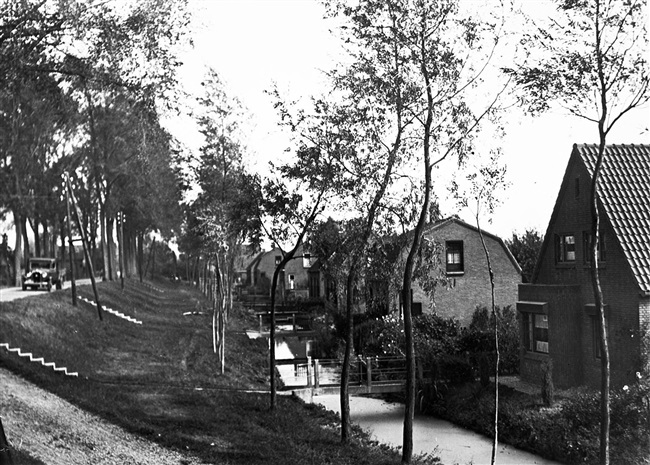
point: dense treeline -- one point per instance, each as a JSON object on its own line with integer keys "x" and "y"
{"x": 81, "y": 88}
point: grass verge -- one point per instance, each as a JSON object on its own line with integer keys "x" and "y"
{"x": 161, "y": 379}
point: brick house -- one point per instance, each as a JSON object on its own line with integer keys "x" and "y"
{"x": 558, "y": 315}
{"x": 294, "y": 278}
{"x": 244, "y": 267}
{"x": 466, "y": 273}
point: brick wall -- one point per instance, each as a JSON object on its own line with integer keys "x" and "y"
{"x": 565, "y": 347}
{"x": 644, "y": 325}
{"x": 620, "y": 291}
{"x": 472, "y": 288}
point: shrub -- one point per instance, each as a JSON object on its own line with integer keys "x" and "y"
{"x": 453, "y": 369}
{"x": 478, "y": 338}
{"x": 484, "y": 369}
{"x": 432, "y": 336}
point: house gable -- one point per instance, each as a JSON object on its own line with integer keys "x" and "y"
{"x": 469, "y": 287}
{"x": 562, "y": 277}
{"x": 624, "y": 204}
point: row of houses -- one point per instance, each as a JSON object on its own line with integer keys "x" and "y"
{"x": 557, "y": 314}
{"x": 464, "y": 266}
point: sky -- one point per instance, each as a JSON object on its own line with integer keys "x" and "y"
{"x": 253, "y": 44}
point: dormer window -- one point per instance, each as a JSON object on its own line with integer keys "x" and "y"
{"x": 565, "y": 248}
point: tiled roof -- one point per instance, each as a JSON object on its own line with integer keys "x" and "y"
{"x": 624, "y": 189}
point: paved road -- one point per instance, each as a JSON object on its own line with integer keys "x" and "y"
{"x": 12, "y": 293}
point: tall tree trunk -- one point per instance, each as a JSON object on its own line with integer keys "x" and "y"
{"x": 274, "y": 287}
{"x": 409, "y": 408}
{"x": 71, "y": 254}
{"x": 121, "y": 247}
{"x": 605, "y": 413}
{"x": 47, "y": 249}
{"x": 110, "y": 247}
{"x": 63, "y": 255}
{"x": 141, "y": 256}
{"x": 495, "y": 442}
{"x": 102, "y": 240}
{"x": 26, "y": 252}
{"x": 153, "y": 260}
{"x": 345, "y": 374}
{"x": 595, "y": 234}
{"x": 37, "y": 237}
{"x": 18, "y": 248}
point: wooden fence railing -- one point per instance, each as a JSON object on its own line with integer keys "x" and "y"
{"x": 371, "y": 372}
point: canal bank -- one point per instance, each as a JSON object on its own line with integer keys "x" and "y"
{"x": 454, "y": 445}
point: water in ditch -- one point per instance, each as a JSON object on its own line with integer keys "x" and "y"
{"x": 454, "y": 445}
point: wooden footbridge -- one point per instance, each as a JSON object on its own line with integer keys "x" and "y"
{"x": 368, "y": 375}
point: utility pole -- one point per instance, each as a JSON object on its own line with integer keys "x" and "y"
{"x": 85, "y": 246}
{"x": 71, "y": 256}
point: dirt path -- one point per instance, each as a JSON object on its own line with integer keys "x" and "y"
{"x": 53, "y": 430}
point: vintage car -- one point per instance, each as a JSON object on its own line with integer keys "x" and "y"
{"x": 43, "y": 273}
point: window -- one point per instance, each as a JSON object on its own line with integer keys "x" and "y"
{"x": 306, "y": 260}
{"x": 416, "y": 309}
{"x": 292, "y": 281}
{"x": 586, "y": 246}
{"x": 454, "y": 257}
{"x": 278, "y": 259}
{"x": 565, "y": 248}
{"x": 536, "y": 332}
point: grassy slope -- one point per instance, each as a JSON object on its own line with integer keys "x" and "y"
{"x": 144, "y": 377}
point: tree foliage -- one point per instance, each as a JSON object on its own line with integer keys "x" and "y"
{"x": 526, "y": 248}
{"x": 423, "y": 52}
{"x": 88, "y": 79}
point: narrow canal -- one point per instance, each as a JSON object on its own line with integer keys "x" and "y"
{"x": 454, "y": 445}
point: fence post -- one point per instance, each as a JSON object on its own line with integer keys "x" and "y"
{"x": 260, "y": 316}
{"x": 309, "y": 372}
{"x": 293, "y": 321}
{"x": 369, "y": 371}
{"x": 357, "y": 363}
{"x": 316, "y": 374}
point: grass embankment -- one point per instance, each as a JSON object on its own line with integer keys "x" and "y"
{"x": 145, "y": 377}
